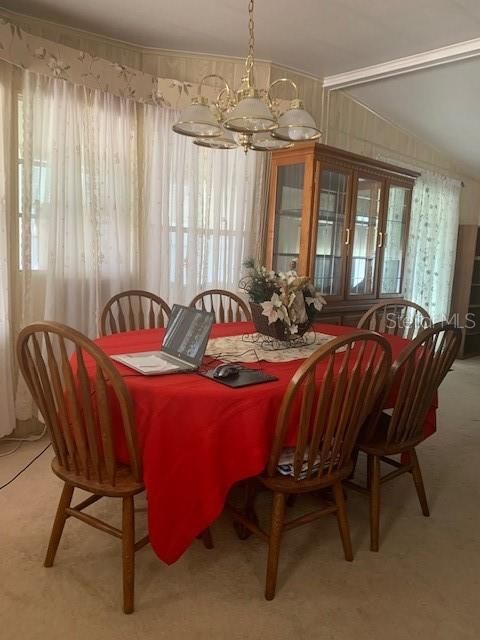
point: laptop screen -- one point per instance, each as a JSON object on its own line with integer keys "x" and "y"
{"x": 187, "y": 334}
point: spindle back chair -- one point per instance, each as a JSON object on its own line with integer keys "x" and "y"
{"x": 86, "y": 408}
{"x": 325, "y": 405}
{"x": 227, "y": 306}
{"x": 402, "y": 318}
{"x": 132, "y": 310}
{"x": 415, "y": 376}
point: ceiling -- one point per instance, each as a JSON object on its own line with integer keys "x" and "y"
{"x": 441, "y": 105}
{"x": 322, "y": 38}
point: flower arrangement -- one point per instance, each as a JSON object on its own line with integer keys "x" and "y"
{"x": 287, "y": 300}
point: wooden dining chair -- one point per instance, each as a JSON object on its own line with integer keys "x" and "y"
{"x": 415, "y": 376}
{"x": 402, "y": 318}
{"x": 227, "y": 306}
{"x": 326, "y": 403}
{"x": 133, "y": 309}
{"x": 75, "y": 405}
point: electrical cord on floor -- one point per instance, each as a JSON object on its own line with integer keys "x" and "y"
{"x": 20, "y": 441}
{"x": 9, "y": 453}
{"x": 25, "y": 467}
{"x": 39, "y": 436}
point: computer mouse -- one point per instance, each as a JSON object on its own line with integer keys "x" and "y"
{"x": 226, "y": 371}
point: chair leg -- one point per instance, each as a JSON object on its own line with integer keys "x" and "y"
{"x": 342, "y": 520}
{"x": 354, "y": 460}
{"x": 369, "y": 471}
{"x": 58, "y": 524}
{"x": 291, "y": 499}
{"x": 374, "y": 462}
{"x": 249, "y": 510}
{"x": 128, "y": 552}
{"x": 278, "y": 513}
{"x": 418, "y": 480}
{"x": 207, "y": 539}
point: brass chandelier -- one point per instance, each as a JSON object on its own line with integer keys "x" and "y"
{"x": 248, "y": 117}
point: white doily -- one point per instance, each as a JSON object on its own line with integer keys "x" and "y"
{"x": 235, "y": 348}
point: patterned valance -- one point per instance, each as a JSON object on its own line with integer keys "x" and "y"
{"x": 49, "y": 58}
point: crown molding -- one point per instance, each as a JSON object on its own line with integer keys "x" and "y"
{"x": 409, "y": 64}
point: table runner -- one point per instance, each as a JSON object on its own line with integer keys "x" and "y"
{"x": 253, "y": 347}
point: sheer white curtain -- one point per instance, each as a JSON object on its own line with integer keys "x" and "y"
{"x": 432, "y": 242}
{"x": 203, "y": 211}
{"x": 7, "y": 375}
{"x": 111, "y": 199}
{"x": 79, "y": 204}
{"x": 80, "y": 199}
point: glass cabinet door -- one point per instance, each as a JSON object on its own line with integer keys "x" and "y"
{"x": 288, "y": 216}
{"x": 394, "y": 240}
{"x": 329, "y": 251}
{"x": 364, "y": 237}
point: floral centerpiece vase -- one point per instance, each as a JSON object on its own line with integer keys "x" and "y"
{"x": 283, "y": 304}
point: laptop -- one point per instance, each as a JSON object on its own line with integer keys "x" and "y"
{"x": 183, "y": 345}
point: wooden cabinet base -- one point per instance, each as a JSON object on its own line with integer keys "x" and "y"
{"x": 349, "y": 314}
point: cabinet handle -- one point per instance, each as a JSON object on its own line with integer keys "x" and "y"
{"x": 380, "y": 240}
{"x": 347, "y": 238}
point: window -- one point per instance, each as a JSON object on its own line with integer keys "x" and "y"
{"x": 39, "y": 181}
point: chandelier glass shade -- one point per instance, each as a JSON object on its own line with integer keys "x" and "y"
{"x": 296, "y": 124}
{"x": 251, "y": 114}
{"x": 248, "y": 117}
{"x": 197, "y": 120}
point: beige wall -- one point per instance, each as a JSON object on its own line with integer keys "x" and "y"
{"x": 470, "y": 202}
{"x": 354, "y": 127}
{"x": 347, "y": 124}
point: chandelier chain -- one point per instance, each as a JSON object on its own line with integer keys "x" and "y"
{"x": 251, "y": 27}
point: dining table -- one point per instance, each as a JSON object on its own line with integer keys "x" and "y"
{"x": 198, "y": 438}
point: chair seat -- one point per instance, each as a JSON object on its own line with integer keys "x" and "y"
{"x": 125, "y": 483}
{"x": 288, "y": 484}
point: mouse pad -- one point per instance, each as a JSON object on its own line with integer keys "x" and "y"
{"x": 245, "y": 378}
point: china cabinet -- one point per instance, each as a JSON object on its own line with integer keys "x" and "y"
{"x": 343, "y": 220}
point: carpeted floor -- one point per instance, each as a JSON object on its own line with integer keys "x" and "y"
{"x": 424, "y": 583}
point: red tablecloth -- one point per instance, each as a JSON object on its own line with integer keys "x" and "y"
{"x": 198, "y": 437}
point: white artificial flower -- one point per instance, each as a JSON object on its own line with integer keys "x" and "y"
{"x": 271, "y": 308}
{"x": 282, "y": 313}
{"x": 276, "y": 300}
{"x": 269, "y": 311}
{"x": 291, "y": 277}
{"x": 291, "y": 298}
{"x": 318, "y": 301}
{"x": 298, "y": 308}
